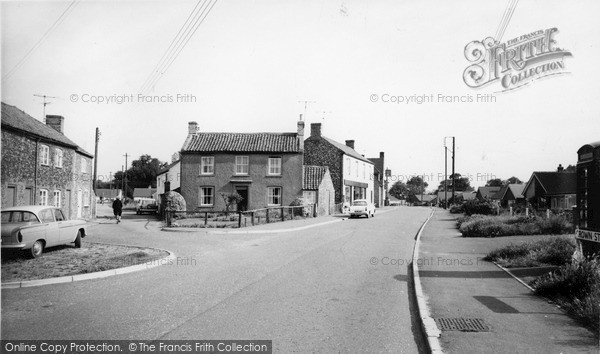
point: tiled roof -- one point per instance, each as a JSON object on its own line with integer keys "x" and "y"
{"x": 515, "y": 188}
{"x": 347, "y": 150}
{"x": 488, "y": 192}
{"x": 107, "y": 193}
{"x": 167, "y": 168}
{"x": 312, "y": 176}
{"x": 242, "y": 142}
{"x": 16, "y": 119}
{"x": 555, "y": 183}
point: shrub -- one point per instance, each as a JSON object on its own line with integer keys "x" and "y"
{"x": 556, "y": 251}
{"x": 457, "y": 209}
{"x": 504, "y": 225}
{"x": 575, "y": 287}
{"x": 471, "y": 207}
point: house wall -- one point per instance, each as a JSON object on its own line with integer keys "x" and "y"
{"x": 319, "y": 152}
{"x": 19, "y": 175}
{"x": 356, "y": 170}
{"x": 326, "y": 196}
{"x": 173, "y": 176}
{"x": 290, "y": 179}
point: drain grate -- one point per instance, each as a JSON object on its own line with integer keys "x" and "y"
{"x": 462, "y": 324}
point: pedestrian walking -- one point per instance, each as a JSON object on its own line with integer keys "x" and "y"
{"x": 117, "y": 209}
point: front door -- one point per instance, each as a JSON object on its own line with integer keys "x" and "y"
{"x": 243, "y": 192}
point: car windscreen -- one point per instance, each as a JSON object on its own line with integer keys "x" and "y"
{"x": 18, "y": 216}
{"x": 360, "y": 203}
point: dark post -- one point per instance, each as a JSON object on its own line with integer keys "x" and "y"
{"x": 205, "y": 218}
{"x": 282, "y": 215}
{"x": 239, "y": 218}
{"x": 314, "y": 211}
{"x": 267, "y": 215}
{"x": 453, "y": 176}
{"x": 96, "y": 159}
{"x": 445, "y": 175}
{"x": 252, "y": 217}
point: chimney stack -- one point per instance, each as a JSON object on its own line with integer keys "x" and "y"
{"x": 560, "y": 168}
{"x": 301, "y": 133}
{"x": 56, "y": 122}
{"x": 381, "y": 154}
{"x": 315, "y": 129}
{"x": 350, "y": 144}
{"x": 192, "y": 127}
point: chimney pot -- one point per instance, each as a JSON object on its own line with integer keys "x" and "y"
{"x": 350, "y": 144}
{"x": 56, "y": 122}
{"x": 192, "y": 127}
{"x": 315, "y": 129}
{"x": 301, "y": 133}
{"x": 560, "y": 168}
{"x": 381, "y": 154}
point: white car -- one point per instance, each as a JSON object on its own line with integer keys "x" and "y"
{"x": 33, "y": 228}
{"x": 362, "y": 207}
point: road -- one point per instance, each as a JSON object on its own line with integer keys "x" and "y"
{"x": 341, "y": 287}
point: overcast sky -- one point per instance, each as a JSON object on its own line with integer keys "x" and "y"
{"x": 250, "y": 62}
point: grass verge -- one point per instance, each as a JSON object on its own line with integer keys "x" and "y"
{"x": 495, "y": 226}
{"x": 552, "y": 251}
{"x": 67, "y": 260}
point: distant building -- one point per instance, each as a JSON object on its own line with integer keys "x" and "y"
{"x": 552, "y": 190}
{"x": 142, "y": 193}
{"x": 378, "y": 179}
{"x": 351, "y": 172}
{"x": 264, "y": 168}
{"x": 41, "y": 166}
{"x": 486, "y": 193}
{"x": 510, "y": 195}
{"x": 317, "y": 188}
{"x": 169, "y": 178}
{"x": 108, "y": 194}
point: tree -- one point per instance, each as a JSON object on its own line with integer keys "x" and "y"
{"x": 496, "y": 182}
{"x": 143, "y": 171}
{"x": 231, "y": 199}
{"x": 513, "y": 180}
{"x": 416, "y": 185}
{"x": 398, "y": 190}
{"x": 460, "y": 183}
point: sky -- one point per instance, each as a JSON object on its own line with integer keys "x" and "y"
{"x": 249, "y": 65}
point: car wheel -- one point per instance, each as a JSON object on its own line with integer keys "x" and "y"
{"x": 36, "y": 249}
{"x": 78, "y": 240}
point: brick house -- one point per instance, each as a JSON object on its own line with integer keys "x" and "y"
{"x": 41, "y": 166}
{"x": 264, "y": 168}
{"x": 510, "y": 195}
{"x": 318, "y": 188}
{"x": 169, "y": 178}
{"x": 351, "y": 172}
{"x": 378, "y": 182}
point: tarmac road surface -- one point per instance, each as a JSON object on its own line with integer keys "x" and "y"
{"x": 340, "y": 287}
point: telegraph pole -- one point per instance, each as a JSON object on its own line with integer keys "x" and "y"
{"x": 125, "y": 176}
{"x": 445, "y": 175}
{"x": 453, "y": 175}
{"x": 45, "y": 103}
{"x": 96, "y": 158}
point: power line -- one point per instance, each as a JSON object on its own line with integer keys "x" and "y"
{"x": 180, "y": 42}
{"x": 175, "y": 41}
{"x": 508, "y": 13}
{"x": 40, "y": 41}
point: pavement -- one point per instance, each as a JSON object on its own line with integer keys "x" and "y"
{"x": 457, "y": 283}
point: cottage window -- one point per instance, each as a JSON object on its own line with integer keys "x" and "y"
{"x": 44, "y": 155}
{"x": 349, "y": 166}
{"x": 273, "y": 196}
{"x": 86, "y": 198}
{"x": 83, "y": 165}
{"x": 207, "y": 165}
{"x": 43, "y": 197}
{"x": 207, "y": 196}
{"x": 56, "y": 198}
{"x": 241, "y": 165}
{"x": 58, "y": 158}
{"x": 274, "y": 166}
